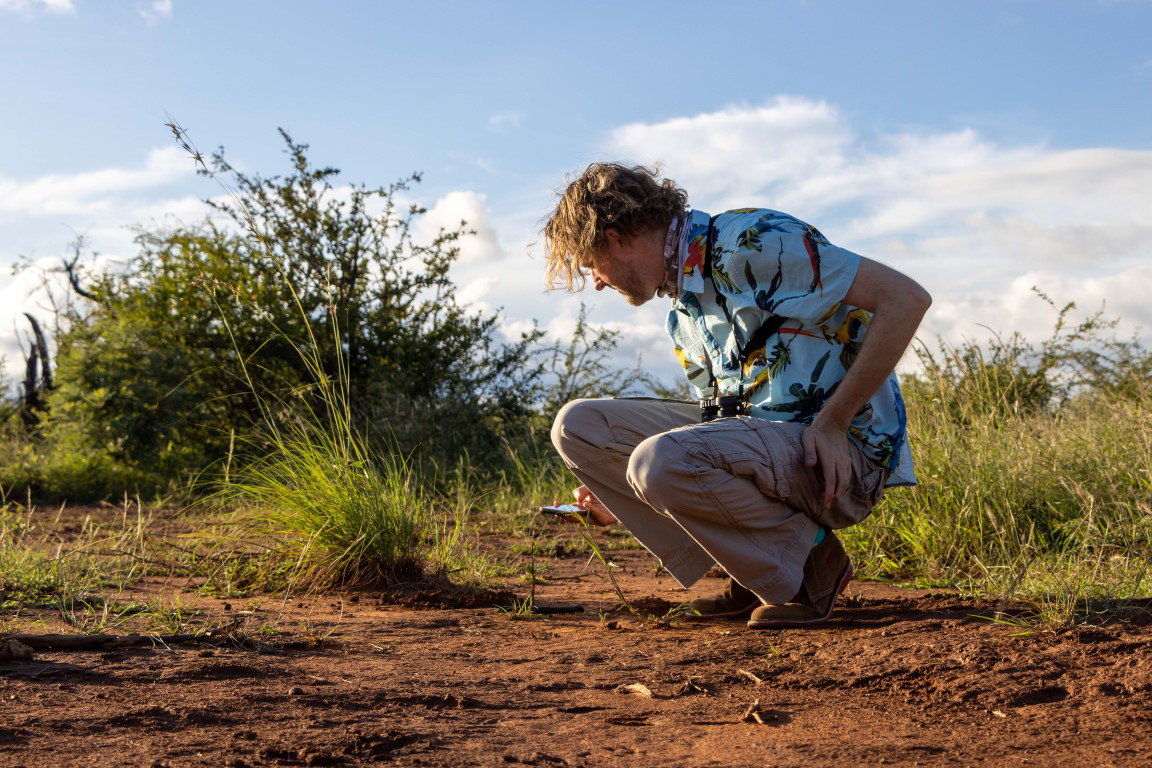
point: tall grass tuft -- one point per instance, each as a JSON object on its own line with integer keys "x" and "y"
{"x": 353, "y": 518}
{"x": 1035, "y": 476}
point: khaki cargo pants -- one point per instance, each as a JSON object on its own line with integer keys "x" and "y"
{"x": 733, "y": 491}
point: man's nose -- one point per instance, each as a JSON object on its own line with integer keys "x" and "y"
{"x": 598, "y": 281}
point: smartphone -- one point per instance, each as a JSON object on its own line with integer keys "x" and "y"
{"x": 564, "y": 510}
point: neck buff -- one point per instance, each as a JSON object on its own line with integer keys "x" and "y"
{"x": 673, "y": 255}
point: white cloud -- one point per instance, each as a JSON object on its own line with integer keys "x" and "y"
{"x": 27, "y": 6}
{"x": 44, "y": 214}
{"x": 469, "y": 209}
{"x": 504, "y": 120}
{"x": 155, "y": 11}
{"x": 92, "y": 192}
{"x": 41, "y": 216}
{"x": 758, "y": 148}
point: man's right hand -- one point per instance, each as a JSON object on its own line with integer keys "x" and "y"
{"x": 598, "y": 514}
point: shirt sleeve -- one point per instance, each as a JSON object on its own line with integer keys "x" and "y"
{"x": 782, "y": 265}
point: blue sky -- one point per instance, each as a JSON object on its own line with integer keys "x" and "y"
{"x": 982, "y": 147}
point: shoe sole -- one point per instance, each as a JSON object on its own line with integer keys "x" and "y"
{"x": 786, "y": 623}
{"x": 741, "y": 614}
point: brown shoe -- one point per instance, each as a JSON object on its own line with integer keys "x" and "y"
{"x": 827, "y": 572}
{"x": 735, "y": 602}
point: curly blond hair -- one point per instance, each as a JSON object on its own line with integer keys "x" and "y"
{"x": 606, "y": 196}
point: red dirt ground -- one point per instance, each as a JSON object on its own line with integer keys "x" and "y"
{"x": 899, "y": 677}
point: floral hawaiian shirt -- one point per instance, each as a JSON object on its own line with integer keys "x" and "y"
{"x": 768, "y": 267}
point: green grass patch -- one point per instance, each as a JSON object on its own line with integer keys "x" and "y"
{"x": 1035, "y": 479}
{"x": 38, "y": 565}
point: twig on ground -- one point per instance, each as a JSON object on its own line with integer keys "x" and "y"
{"x": 752, "y": 714}
{"x": 750, "y": 676}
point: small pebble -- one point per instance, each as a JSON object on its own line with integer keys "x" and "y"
{"x": 296, "y": 691}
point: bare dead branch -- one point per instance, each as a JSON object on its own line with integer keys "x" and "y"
{"x": 41, "y": 348}
{"x": 73, "y": 274}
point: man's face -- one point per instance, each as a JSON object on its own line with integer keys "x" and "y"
{"x": 633, "y": 266}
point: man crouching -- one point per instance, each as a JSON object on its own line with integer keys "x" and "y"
{"x": 789, "y": 341}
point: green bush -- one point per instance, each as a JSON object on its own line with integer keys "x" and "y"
{"x": 171, "y": 364}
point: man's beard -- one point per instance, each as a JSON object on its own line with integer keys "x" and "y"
{"x": 632, "y": 290}
{"x": 636, "y": 299}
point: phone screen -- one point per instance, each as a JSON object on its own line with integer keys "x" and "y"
{"x": 564, "y": 510}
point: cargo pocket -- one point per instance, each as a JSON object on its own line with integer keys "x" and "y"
{"x": 859, "y": 500}
{"x": 754, "y": 449}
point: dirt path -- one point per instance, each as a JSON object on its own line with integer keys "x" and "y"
{"x": 899, "y": 677}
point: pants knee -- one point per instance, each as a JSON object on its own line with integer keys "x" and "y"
{"x": 651, "y": 470}
{"x": 569, "y": 426}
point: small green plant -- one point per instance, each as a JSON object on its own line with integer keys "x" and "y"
{"x": 533, "y": 573}
{"x": 525, "y": 608}
{"x": 521, "y": 608}
{"x": 584, "y": 530}
{"x": 316, "y": 633}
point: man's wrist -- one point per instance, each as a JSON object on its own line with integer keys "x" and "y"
{"x": 830, "y": 419}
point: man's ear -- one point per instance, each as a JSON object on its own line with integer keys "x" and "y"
{"x": 612, "y": 235}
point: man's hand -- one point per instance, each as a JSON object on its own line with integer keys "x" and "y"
{"x": 827, "y": 446}
{"x": 598, "y": 514}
